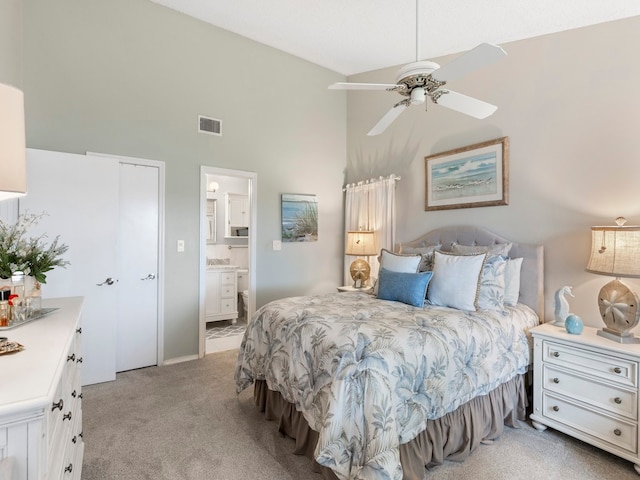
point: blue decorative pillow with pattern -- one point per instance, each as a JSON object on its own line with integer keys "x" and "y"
{"x": 409, "y": 288}
{"x": 492, "y": 284}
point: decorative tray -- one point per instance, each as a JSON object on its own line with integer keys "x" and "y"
{"x": 10, "y": 347}
{"x": 43, "y": 312}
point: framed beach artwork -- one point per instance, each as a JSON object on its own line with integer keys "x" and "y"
{"x": 299, "y": 218}
{"x": 473, "y": 176}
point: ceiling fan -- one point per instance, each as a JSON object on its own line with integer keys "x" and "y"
{"x": 422, "y": 79}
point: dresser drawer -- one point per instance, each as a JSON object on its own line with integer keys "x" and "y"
{"x": 227, "y": 305}
{"x": 616, "y": 432}
{"x": 227, "y": 291}
{"x": 610, "y": 398}
{"x": 614, "y": 369}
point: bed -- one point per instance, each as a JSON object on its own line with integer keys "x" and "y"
{"x": 380, "y": 389}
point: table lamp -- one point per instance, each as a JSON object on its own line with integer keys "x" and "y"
{"x": 360, "y": 244}
{"x": 13, "y": 164}
{"x": 615, "y": 251}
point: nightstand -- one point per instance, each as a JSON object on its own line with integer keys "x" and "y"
{"x": 351, "y": 288}
{"x": 587, "y": 386}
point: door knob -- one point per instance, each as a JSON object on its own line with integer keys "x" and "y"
{"x": 151, "y": 276}
{"x": 108, "y": 281}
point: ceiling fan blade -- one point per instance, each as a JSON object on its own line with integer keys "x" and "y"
{"x": 483, "y": 54}
{"x": 387, "y": 119}
{"x": 464, "y": 104}
{"x": 363, "y": 86}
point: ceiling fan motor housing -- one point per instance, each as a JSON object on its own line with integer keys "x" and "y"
{"x": 418, "y": 75}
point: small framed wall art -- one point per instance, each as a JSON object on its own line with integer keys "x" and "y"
{"x": 299, "y": 218}
{"x": 472, "y": 176}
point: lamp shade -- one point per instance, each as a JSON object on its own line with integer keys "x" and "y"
{"x": 615, "y": 251}
{"x": 13, "y": 167}
{"x": 361, "y": 244}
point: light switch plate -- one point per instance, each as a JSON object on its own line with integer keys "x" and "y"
{"x": 181, "y": 245}
{"x": 277, "y": 245}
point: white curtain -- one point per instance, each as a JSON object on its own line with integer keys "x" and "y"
{"x": 371, "y": 205}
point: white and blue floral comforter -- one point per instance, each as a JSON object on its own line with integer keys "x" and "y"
{"x": 367, "y": 374}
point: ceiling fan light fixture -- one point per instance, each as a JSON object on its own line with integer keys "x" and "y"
{"x": 418, "y": 96}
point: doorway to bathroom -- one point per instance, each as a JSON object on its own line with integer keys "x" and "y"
{"x": 227, "y": 254}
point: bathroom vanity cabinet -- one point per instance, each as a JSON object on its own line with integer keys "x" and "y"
{"x": 221, "y": 301}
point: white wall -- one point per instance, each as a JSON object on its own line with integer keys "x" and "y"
{"x": 570, "y": 104}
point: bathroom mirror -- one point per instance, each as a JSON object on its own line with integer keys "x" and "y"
{"x": 211, "y": 220}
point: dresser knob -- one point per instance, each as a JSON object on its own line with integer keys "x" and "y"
{"x": 79, "y": 360}
{"x": 79, "y": 330}
{"x": 68, "y": 468}
{"x": 80, "y": 396}
{"x": 556, "y": 354}
{"x": 74, "y": 394}
{"x": 617, "y": 370}
{"x": 57, "y": 405}
{"x": 617, "y": 432}
{"x": 556, "y": 380}
{"x": 555, "y": 408}
{"x": 618, "y": 400}
{"x": 74, "y": 439}
{"x": 71, "y": 357}
{"x": 66, "y": 416}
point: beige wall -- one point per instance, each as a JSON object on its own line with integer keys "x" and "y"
{"x": 570, "y": 104}
{"x": 129, "y": 77}
{"x": 11, "y": 42}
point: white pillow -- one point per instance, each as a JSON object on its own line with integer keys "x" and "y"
{"x": 456, "y": 280}
{"x": 398, "y": 262}
{"x": 495, "y": 249}
{"x": 512, "y": 281}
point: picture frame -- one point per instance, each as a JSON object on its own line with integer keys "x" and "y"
{"x": 299, "y": 217}
{"x": 472, "y": 176}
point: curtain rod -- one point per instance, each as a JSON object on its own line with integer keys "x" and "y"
{"x": 370, "y": 181}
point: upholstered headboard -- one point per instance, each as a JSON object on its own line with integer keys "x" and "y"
{"x": 531, "y": 275}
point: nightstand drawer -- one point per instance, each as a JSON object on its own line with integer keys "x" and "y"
{"x": 618, "y": 370}
{"x": 607, "y": 397}
{"x": 615, "y": 432}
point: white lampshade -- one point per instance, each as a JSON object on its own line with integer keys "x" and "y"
{"x": 361, "y": 244}
{"x": 13, "y": 166}
{"x": 615, "y": 251}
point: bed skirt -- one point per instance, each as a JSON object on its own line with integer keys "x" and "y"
{"x": 452, "y": 437}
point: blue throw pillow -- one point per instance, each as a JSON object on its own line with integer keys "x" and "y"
{"x": 409, "y": 288}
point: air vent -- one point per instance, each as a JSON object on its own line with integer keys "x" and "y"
{"x": 209, "y": 125}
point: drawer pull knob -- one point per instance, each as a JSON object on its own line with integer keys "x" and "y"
{"x": 618, "y": 400}
{"x": 555, "y": 408}
{"x": 68, "y": 468}
{"x": 556, "y": 354}
{"x": 79, "y": 360}
{"x": 617, "y": 432}
{"x": 74, "y": 394}
{"x": 74, "y": 439}
{"x": 57, "y": 405}
{"x": 79, "y": 330}
{"x": 80, "y": 396}
{"x": 617, "y": 370}
{"x": 556, "y": 380}
{"x": 71, "y": 357}
{"x": 66, "y": 416}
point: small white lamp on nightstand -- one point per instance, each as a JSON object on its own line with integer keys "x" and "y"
{"x": 615, "y": 251}
{"x": 360, "y": 244}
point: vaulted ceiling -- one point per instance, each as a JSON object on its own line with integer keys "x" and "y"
{"x": 355, "y": 36}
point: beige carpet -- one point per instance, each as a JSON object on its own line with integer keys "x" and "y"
{"x": 185, "y": 422}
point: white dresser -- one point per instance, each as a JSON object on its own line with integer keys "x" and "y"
{"x": 587, "y": 386}
{"x": 221, "y": 301}
{"x": 41, "y": 397}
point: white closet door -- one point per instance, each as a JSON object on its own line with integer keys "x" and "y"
{"x": 137, "y": 319}
{"x": 80, "y": 195}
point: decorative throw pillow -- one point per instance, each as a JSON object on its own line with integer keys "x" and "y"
{"x": 397, "y": 262}
{"x": 492, "y": 284}
{"x": 456, "y": 280}
{"x": 426, "y": 264}
{"x": 409, "y": 288}
{"x": 512, "y": 281}
{"x": 496, "y": 249}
